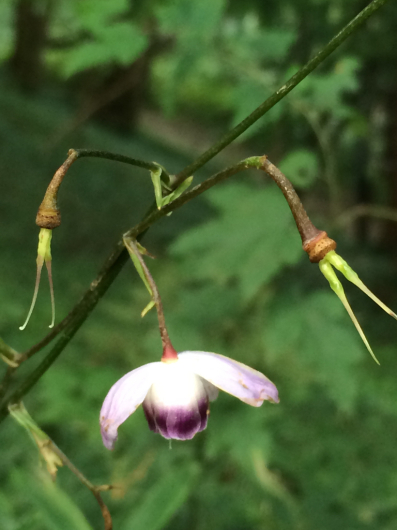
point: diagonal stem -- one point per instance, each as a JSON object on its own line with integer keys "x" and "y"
{"x": 93, "y": 153}
{"x": 282, "y": 91}
{"x": 119, "y": 256}
{"x": 100, "y": 285}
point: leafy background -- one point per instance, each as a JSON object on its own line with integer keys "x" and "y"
{"x": 161, "y": 81}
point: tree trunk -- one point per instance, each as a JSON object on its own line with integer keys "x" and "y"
{"x": 26, "y": 63}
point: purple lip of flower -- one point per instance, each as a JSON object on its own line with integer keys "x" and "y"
{"x": 176, "y": 395}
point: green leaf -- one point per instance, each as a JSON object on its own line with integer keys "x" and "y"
{"x": 138, "y": 266}
{"x": 177, "y": 192}
{"x": 163, "y": 500}
{"x": 96, "y": 15}
{"x": 301, "y": 167}
{"x": 120, "y": 43}
{"x": 250, "y": 241}
{"x": 249, "y": 41}
{"x": 197, "y": 22}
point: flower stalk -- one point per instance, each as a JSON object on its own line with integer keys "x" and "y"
{"x": 169, "y": 353}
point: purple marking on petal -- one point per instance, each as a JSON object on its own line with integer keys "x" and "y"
{"x": 124, "y": 398}
{"x": 232, "y": 377}
{"x": 177, "y": 402}
{"x": 149, "y": 415}
{"x": 204, "y": 410}
{"x": 179, "y": 423}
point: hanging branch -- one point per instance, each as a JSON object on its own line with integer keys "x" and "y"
{"x": 309, "y": 233}
{"x": 119, "y": 256}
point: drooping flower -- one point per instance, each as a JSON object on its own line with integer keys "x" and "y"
{"x": 175, "y": 393}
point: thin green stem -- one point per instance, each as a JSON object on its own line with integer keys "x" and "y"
{"x": 92, "y": 153}
{"x": 105, "y": 278}
{"x": 119, "y": 256}
{"x": 282, "y": 91}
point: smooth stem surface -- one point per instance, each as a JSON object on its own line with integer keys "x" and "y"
{"x": 282, "y": 91}
{"x": 305, "y": 227}
{"x": 92, "y": 153}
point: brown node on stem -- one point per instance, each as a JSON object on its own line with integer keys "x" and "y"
{"x": 49, "y": 215}
{"x": 319, "y": 246}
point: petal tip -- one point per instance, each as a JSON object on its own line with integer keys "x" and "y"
{"x": 108, "y": 433}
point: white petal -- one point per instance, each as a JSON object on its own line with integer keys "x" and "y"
{"x": 177, "y": 403}
{"x": 176, "y": 386}
{"x": 212, "y": 391}
{"x": 124, "y": 398}
{"x": 232, "y": 377}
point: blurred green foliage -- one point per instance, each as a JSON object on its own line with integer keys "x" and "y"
{"x": 231, "y": 272}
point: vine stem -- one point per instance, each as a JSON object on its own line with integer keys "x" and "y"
{"x": 49, "y": 215}
{"x": 52, "y": 190}
{"x": 282, "y": 91}
{"x": 119, "y": 256}
{"x": 92, "y": 153}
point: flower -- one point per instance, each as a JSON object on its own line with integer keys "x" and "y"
{"x": 175, "y": 393}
